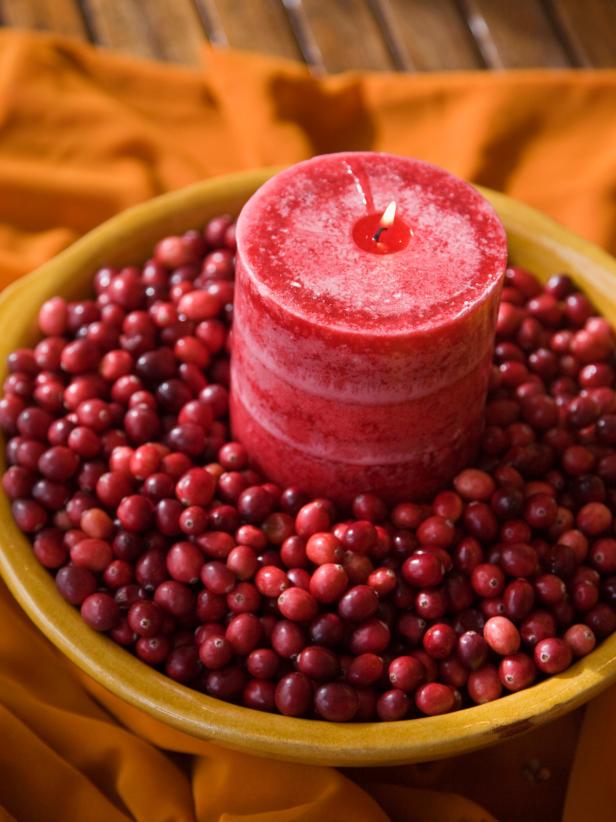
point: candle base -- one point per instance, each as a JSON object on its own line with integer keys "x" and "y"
{"x": 416, "y": 479}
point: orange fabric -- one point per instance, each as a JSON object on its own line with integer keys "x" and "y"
{"x": 84, "y": 134}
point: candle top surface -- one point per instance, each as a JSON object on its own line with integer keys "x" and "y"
{"x": 295, "y": 239}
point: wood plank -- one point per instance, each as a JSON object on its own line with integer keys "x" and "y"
{"x": 258, "y": 25}
{"x": 435, "y": 35}
{"x": 304, "y": 35}
{"x": 590, "y": 28}
{"x": 212, "y": 25}
{"x": 62, "y": 16}
{"x": 121, "y": 26}
{"x": 178, "y": 29}
{"x": 162, "y": 29}
{"x": 383, "y": 13}
{"x": 522, "y": 33}
{"x": 348, "y": 35}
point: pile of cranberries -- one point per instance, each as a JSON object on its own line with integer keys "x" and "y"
{"x": 154, "y": 524}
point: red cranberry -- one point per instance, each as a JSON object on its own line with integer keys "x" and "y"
{"x": 293, "y": 695}
{"x": 439, "y": 640}
{"x": 517, "y": 672}
{"x": 552, "y": 655}
{"x": 145, "y": 618}
{"x": 601, "y": 619}
{"x": 501, "y": 635}
{"x": 359, "y": 603}
{"x": 336, "y": 702}
{"x": 434, "y": 698}
{"x": 328, "y": 582}
{"x": 472, "y": 649}
{"x": 371, "y": 636}
{"x": 392, "y": 705}
{"x": 297, "y": 605}
{"x": 317, "y": 663}
{"x": 365, "y": 670}
{"x": 580, "y": 639}
{"x": 288, "y": 638}
{"x": 487, "y": 580}
{"x": 100, "y": 611}
{"x": 484, "y": 685}
{"x": 423, "y": 570}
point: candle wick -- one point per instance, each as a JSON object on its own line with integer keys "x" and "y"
{"x": 377, "y": 234}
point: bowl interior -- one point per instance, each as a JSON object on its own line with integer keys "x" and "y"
{"x": 535, "y": 242}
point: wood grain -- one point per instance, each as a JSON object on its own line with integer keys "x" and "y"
{"x": 337, "y": 35}
{"x": 258, "y": 25}
{"x": 63, "y": 16}
{"x": 164, "y": 29}
{"x": 348, "y": 35}
{"x": 522, "y": 33}
{"x": 435, "y": 35}
{"x": 590, "y": 29}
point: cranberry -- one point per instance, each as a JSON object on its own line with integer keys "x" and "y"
{"x": 602, "y": 619}
{"x": 518, "y": 599}
{"x": 434, "y": 698}
{"x": 288, "y": 638}
{"x": 145, "y": 618}
{"x": 322, "y": 548}
{"x": 244, "y": 633}
{"x": 516, "y": 671}
{"x": 244, "y": 598}
{"x": 175, "y": 598}
{"x": 262, "y": 663}
{"x": 487, "y": 580}
{"x": 406, "y": 673}
{"x": 580, "y": 639}
{"x": 336, "y": 702}
{"x": 360, "y": 536}
{"x": 293, "y": 695}
{"x": 501, "y": 635}
{"x": 472, "y": 649}
{"x": 317, "y": 663}
{"x": 371, "y": 636}
{"x": 439, "y": 640}
{"x": 484, "y": 685}
{"x": 100, "y": 611}
{"x": 365, "y": 670}
{"x": 297, "y": 605}
{"x": 552, "y": 655}
{"x": 328, "y": 582}
{"x": 474, "y": 485}
{"x": 359, "y": 603}
{"x": 423, "y": 570}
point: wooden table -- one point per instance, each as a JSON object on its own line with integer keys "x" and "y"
{"x": 335, "y": 35}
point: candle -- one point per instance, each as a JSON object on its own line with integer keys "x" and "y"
{"x": 361, "y": 357}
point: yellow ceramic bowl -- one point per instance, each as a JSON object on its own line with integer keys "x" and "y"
{"x": 536, "y": 242}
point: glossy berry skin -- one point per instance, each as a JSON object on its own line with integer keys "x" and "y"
{"x": 552, "y": 655}
{"x": 393, "y": 705}
{"x": 516, "y": 672}
{"x": 434, "y": 698}
{"x": 406, "y": 673}
{"x": 155, "y": 524}
{"x": 501, "y": 635}
{"x": 484, "y": 685}
{"x": 336, "y": 702}
{"x": 423, "y": 570}
{"x": 439, "y": 641}
{"x": 297, "y": 605}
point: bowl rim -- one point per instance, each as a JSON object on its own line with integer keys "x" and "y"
{"x": 301, "y": 740}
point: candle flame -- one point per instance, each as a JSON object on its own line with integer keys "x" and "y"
{"x": 389, "y": 215}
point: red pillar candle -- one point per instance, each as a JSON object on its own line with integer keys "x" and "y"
{"x": 362, "y": 344}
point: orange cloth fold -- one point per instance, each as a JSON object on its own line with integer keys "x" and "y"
{"x": 84, "y": 134}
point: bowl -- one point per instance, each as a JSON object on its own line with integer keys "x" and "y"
{"x": 537, "y": 243}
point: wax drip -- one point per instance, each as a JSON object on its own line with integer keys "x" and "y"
{"x": 362, "y": 184}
